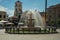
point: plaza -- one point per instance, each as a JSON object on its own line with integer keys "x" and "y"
{"x": 30, "y": 24}
{"x": 6, "y": 36}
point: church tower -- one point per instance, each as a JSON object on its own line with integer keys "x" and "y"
{"x": 18, "y": 9}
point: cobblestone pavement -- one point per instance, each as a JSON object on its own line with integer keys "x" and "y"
{"x": 5, "y": 36}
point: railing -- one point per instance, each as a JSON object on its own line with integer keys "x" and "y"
{"x": 15, "y": 30}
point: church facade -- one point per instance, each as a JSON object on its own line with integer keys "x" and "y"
{"x": 18, "y": 9}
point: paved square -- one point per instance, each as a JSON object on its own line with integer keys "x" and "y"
{"x": 5, "y": 36}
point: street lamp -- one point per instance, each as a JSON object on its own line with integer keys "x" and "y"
{"x": 45, "y": 10}
{"x": 45, "y": 14}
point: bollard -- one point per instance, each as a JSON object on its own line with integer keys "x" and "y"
{"x": 54, "y": 29}
{"x": 49, "y": 30}
{"x": 34, "y": 30}
{"x": 40, "y": 29}
{"x": 5, "y": 29}
{"x": 18, "y": 30}
{"x": 44, "y": 30}
{"x": 13, "y": 30}
{"x": 10, "y": 30}
{"x": 23, "y": 30}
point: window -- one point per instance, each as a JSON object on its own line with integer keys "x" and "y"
{"x": 19, "y": 5}
{"x": 19, "y": 16}
{"x": 4, "y": 16}
{"x": 15, "y": 4}
{"x": 20, "y": 10}
{"x": 16, "y": 10}
{"x": 59, "y": 16}
{"x": 0, "y": 16}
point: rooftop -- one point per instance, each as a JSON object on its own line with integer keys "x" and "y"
{"x": 55, "y": 6}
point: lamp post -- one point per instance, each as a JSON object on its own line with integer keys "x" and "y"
{"x": 45, "y": 14}
{"x": 45, "y": 10}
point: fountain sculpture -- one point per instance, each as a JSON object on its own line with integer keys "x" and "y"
{"x": 32, "y": 19}
{"x": 31, "y": 22}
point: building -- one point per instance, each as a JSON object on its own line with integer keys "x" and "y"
{"x": 43, "y": 16}
{"x": 18, "y": 9}
{"x": 3, "y": 15}
{"x": 13, "y": 18}
{"x": 53, "y": 15}
{"x": 17, "y": 13}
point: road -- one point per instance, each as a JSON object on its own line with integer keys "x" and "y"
{"x": 5, "y": 36}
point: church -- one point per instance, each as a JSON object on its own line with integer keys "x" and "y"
{"x": 17, "y": 12}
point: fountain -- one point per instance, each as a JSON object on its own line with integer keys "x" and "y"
{"x": 31, "y": 22}
{"x": 32, "y": 18}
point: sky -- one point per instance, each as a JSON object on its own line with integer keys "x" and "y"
{"x": 8, "y": 5}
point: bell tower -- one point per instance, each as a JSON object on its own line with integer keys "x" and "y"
{"x": 18, "y": 9}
